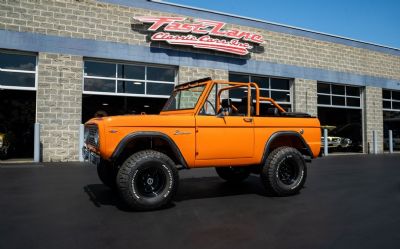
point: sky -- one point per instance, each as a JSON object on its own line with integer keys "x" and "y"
{"x": 373, "y": 21}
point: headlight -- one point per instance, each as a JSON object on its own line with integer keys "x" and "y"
{"x": 91, "y": 135}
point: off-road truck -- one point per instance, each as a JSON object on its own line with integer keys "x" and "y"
{"x": 204, "y": 123}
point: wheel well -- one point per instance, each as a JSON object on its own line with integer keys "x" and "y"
{"x": 148, "y": 142}
{"x": 290, "y": 140}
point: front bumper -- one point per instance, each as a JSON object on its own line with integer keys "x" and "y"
{"x": 90, "y": 156}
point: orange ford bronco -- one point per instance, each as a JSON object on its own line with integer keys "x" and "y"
{"x": 205, "y": 123}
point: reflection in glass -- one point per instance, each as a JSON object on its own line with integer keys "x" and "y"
{"x": 239, "y": 78}
{"x": 99, "y": 69}
{"x": 17, "y": 79}
{"x": 160, "y": 88}
{"x": 17, "y": 61}
{"x": 337, "y": 89}
{"x": 280, "y": 96}
{"x": 262, "y": 82}
{"x": 161, "y": 74}
{"x": 280, "y": 84}
{"x": 99, "y": 85}
{"x": 130, "y": 87}
{"x": 352, "y": 91}
{"x": 131, "y": 72}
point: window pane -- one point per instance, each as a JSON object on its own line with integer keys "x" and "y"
{"x": 323, "y": 88}
{"x": 279, "y": 84}
{"x": 396, "y": 105}
{"x": 386, "y": 94}
{"x": 161, "y": 74}
{"x": 17, "y": 61}
{"x": 280, "y": 96}
{"x": 99, "y": 85}
{"x": 17, "y": 79}
{"x": 263, "y": 93}
{"x": 352, "y": 91}
{"x": 99, "y": 69}
{"x": 239, "y": 78}
{"x": 336, "y": 89}
{"x": 396, "y": 95}
{"x": 353, "y": 102}
{"x": 338, "y": 100}
{"x": 160, "y": 88}
{"x": 324, "y": 100}
{"x": 262, "y": 82}
{"x": 130, "y": 87}
{"x": 131, "y": 72}
{"x": 238, "y": 93}
{"x": 387, "y": 105}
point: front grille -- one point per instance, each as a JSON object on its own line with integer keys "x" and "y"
{"x": 92, "y": 135}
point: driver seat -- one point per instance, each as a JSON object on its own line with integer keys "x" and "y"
{"x": 226, "y": 107}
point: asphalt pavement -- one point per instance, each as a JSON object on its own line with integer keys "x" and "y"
{"x": 348, "y": 202}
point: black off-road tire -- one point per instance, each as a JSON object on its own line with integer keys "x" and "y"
{"x": 284, "y": 172}
{"x": 147, "y": 180}
{"x": 233, "y": 174}
{"x": 107, "y": 174}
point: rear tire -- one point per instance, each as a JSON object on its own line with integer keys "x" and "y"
{"x": 284, "y": 172}
{"x": 233, "y": 174}
{"x": 147, "y": 180}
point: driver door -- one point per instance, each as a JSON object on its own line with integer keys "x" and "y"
{"x": 220, "y": 137}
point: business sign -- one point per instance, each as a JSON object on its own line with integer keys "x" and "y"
{"x": 200, "y": 33}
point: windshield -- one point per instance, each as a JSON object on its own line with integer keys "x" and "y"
{"x": 185, "y": 98}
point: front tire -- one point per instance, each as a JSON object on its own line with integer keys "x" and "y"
{"x": 284, "y": 172}
{"x": 233, "y": 174}
{"x": 107, "y": 174}
{"x": 147, "y": 180}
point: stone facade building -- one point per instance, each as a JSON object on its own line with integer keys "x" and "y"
{"x": 73, "y": 58}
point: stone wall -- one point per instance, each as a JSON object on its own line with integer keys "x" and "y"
{"x": 187, "y": 74}
{"x": 90, "y": 19}
{"x": 305, "y": 96}
{"x": 59, "y": 104}
{"x": 373, "y": 118}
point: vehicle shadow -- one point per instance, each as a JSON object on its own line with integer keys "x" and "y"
{"x": 189, "y": 189}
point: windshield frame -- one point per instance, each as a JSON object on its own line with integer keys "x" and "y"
{"x": 184, "y": 87}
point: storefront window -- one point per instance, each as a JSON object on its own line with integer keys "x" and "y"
{"x": 333, "y": 95}
{"x": 276, "y": 88}
{"x": 17, "y": 71}
{"x": 128, "y": 79}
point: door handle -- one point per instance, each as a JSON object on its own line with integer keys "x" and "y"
{"x": 248, "y": 119}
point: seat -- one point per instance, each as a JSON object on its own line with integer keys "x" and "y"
{"x": 226, "y": 107}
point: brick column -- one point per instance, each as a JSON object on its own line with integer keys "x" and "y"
{"x": 194, "y": 73}
{"x": 59, "y": 104}
{"x": 305, "y": 96}
{"x": 373, "y": 118}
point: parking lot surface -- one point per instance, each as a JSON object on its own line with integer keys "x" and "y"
{"x": 347, "y": 202}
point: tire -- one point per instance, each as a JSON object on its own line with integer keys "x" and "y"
{"x": 147, "y": 180}
{"x": 284, "y": 172}
{"x": 107, "y": 174}
{"x": 233, "y": 174}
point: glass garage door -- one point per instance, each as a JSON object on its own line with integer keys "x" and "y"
{"x": 340, "y": 112}
{"x": 119, "y": 88}
{"x": 18, "y": 80}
